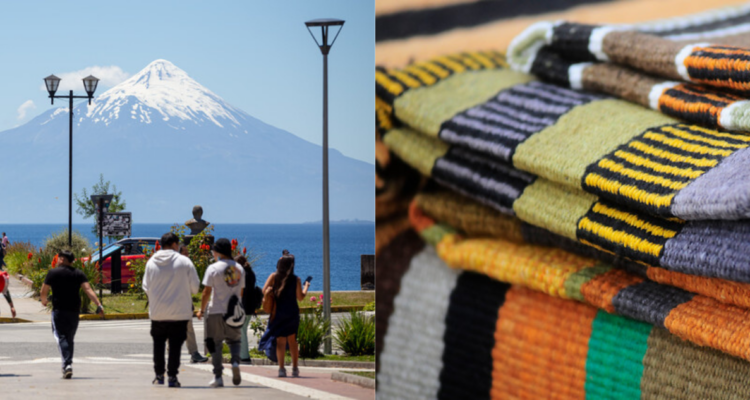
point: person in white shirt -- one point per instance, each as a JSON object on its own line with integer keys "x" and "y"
{"x": 170, "y": 280}
{"x": 223, "y": 283}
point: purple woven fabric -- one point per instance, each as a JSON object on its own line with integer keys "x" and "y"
{"x": 711, "y": 248}
{"x": 722, "y": 192}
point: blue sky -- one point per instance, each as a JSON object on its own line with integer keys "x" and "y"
{"x": 257, "y": 55}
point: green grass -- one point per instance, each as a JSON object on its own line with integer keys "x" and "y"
{"x": 126, "y": 303}
{"x": 341, "y": 298}
{"x": 366, "y": 374}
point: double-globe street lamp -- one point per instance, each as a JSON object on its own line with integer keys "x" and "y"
{"x": 325, "y": 24}
{"x": 89, "y": 83}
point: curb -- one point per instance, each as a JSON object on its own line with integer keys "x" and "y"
{"x": 315, "y": 363}
{"x": 26, "y": 281}
{"x": 96, "y": 317}
{"x": 4, "y": 320}
{"x": 354, "y": 379}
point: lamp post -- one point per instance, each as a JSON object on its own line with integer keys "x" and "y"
{"x": 89, "y": 83}
{"x": 101, "y": 202}
{"x": 325, "y": 24}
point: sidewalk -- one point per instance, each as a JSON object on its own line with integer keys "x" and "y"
{"x": 116, "y": 379}
{"x": 26, "y": 307}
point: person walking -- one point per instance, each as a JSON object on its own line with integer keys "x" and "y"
{"x": 5, "y": 283}
{"x": 4, "y": 244}
{"x": 66, "y": 282}
{"x": 3, "y": 249}
{"x": 223, "y": 284}
{"x": 283, "y": 326}
{"x": 250, "y": 303}
{"x": 191, "y": 342}
{"x": 169, "y": 281}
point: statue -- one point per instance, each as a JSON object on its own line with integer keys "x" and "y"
{"x": 196, "y": 224}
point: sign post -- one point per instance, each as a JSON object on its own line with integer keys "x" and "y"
{"x": 101, "y": 202}
{"x": 116, "y": 224}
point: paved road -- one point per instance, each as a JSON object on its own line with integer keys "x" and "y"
{"x": 113, "y": 360}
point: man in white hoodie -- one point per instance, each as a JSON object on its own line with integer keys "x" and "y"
{"x": 170, "y": 281}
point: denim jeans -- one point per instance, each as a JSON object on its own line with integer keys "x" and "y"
{"x": 64, "y": 327}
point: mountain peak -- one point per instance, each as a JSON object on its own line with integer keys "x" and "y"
{"x": 158, "y": 71}
{"x": 162, "y": 91}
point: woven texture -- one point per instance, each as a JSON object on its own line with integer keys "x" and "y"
{"x": 540, "y": 347}
{"x": 478, "y": 221}
{"x": 611, "y": 148}
{"x": 692, "y": 67}
{"x": 700, "y": 319}
{"x": 608, "y": 227}
{"x": 424, "y": 300}
{"x": 595, "y": 231}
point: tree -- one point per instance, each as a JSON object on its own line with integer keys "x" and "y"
{"x": 87, "y": 208}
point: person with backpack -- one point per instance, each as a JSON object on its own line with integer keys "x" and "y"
{"x": 221, "y": 302}
{"x": 251, "y": 299}
{"x": 169, "y": 281}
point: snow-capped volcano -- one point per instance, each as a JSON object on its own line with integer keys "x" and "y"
{"x": 163, "y": 91}
{"x": 169, "y": 143}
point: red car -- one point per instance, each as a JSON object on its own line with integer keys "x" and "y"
{"x": 131, "y": 249}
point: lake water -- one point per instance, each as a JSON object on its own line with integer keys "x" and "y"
{"x": 348, "y": 242}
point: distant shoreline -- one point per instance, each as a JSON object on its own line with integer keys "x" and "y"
{"x": 343, "y": 222}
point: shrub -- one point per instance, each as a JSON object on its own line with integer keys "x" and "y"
{"x": 312, "y": 331}
{"x": 138, "y": 267}
{"x": 92, "y": 275}
{"x": 16, "y": 256}
{"x": 356, "y": 334}
{"x": 36, "y": 269}
{"x": 59, "y": 241}
{"x": 369, "y": 306}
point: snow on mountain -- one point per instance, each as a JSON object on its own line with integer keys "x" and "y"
{"x": 160, "y": 120}
{"x": 161, "y": 90}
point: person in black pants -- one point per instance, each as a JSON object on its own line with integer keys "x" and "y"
{"x": 170, "y": 281}
{"x": 66, "y": 282}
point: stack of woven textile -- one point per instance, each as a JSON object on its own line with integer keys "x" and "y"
{"x": 585, "y": 227}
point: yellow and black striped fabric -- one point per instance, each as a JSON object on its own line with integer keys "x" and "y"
{"x": 617, "y": 230}
{"x": 647, "y": 172}
{"x": 392, "y": 83}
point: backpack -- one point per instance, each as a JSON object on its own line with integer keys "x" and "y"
{"x": 257, "y": 298}
{"x": 3, "y": 281}
{"x": 235, "y": 315}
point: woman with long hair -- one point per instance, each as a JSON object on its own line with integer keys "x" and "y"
{"x": 286, "y": 288}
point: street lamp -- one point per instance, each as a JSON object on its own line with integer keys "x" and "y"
{"x": 101, "y": 205}
{"x": 89, "y": 83}
{"x": 325, "y": 24}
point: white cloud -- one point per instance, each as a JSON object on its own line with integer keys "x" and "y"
{"x": 108, "y": 77}
{"x": 27, "y": 106}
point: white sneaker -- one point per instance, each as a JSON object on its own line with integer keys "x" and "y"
{"x": 236, "y": 377}
{"x": 68, "y": 372}
{"x": 217, "y": 382}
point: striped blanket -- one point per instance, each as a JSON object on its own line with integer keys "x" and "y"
{"x": 455, "y": 334}
{"x": 585, "y": 215}
{"x": 700, "y": 319}
{"x": 692, "y": 68}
